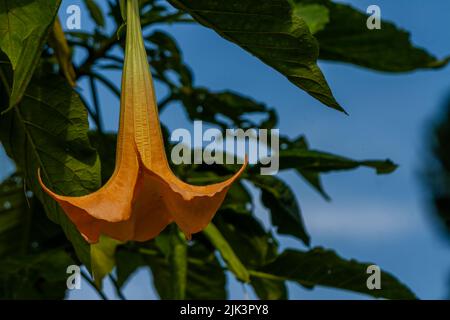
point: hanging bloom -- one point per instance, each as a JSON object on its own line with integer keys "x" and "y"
{"x": 143, "y": 195}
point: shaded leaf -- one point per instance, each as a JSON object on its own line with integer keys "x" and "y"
{"x": 39, "y": 276}
{"x": 254, "y": 246}
{"x": 269, "y": 289}
{"x": 319, "y": 161}
{"x": 270, "y": 31}
{"x": 14, "y": 213}
{"x": 127, "y": 262}
{"x": 346, "y": 38}
{"x": 324, "y": 267}
{"x": 95, "y": 12}
{"x": 105, "y": 144}
{"x": 226, "y": 109}
{"x": 57, "y": 40}
{"x": 278, "y": 197}
{"x": 296, "y": 154}
{"x": 250, "y": 242}
{"x": 24, "y": 27}
{"x": 205, "y": 277}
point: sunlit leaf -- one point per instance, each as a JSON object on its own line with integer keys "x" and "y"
{"x": 24, "y": 27}
{"x": 316, "y": 16}
{"x": 270, "y": 31}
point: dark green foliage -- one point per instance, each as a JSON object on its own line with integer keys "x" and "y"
{"x": 345, "y": 37}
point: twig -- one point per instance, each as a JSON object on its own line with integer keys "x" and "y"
{"x": 89, "y": 280}
{"x": 117, "y": 287}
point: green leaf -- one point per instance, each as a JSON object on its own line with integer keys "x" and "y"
{"x": 319, "y": 161}
{"x": 254, "y": 246}
{"x": 295, "y": 154}
{"x": 205, "y": 277}
{"x": 315, "y": 181}
{"x": 214, "y": 107}
{"x": 269, "y": 289}
{"x": 325, "y": 268}
{"x": 24, "y": 226}
{"x": 127, "y": 262}
{"x": 105, "y": 144}
{"x": 14, "y": 212}
{"x": 278, "y": 197}
{"x": 316, "y": 16}
{"x": 270, "y": 31}
{"x": 95, "y": 12}
{"x": 50, "y": 131}
{"x": 227, "y": 253}
{"x": 346, "y": 38}
{"x": 103, "y": 258}
{"x": 37, "y": 276}
{"x": 24, "y": 26}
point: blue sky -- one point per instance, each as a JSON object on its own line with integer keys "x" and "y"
{"x": 382, "y": 219}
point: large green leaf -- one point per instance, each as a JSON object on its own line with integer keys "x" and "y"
{"x": 325, "y": 268}
{"x": 278, "y": 197}
{"x": 347, "y": 38}
{"x": 24, "y": 27}
{"x": 270, "y": 31}
{"x": 50, "y": 131}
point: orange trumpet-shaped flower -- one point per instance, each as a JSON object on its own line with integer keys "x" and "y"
{"x": 143, "y": 195}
